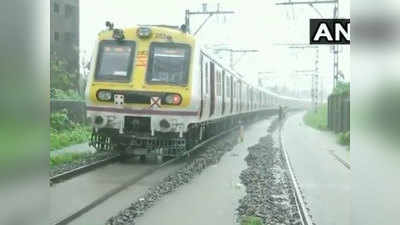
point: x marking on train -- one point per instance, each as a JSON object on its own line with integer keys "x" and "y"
{"x": 155, "y": 102}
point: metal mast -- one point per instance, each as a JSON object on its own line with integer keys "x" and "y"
{"x": 189, "y": 13}
{"x": 335, "y": 48}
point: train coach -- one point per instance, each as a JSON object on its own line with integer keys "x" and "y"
{"x": 154, "y": 90}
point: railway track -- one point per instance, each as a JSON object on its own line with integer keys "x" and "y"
{"x": 82, "y": 169}
{"x": 303, "y": 212}
{"x": 107, "y": 195}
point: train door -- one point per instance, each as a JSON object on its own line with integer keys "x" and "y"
{"x": 228, "y": 96}
{"x": 218, "y": 99}
{"x": 223, "y": 91}
{"x": 212, "y": 88}
{"x": 232, "y": 96}
{"x": 240, "y": 96}
{"x": 205, "y": 86}
{"x": 201, "y": 86}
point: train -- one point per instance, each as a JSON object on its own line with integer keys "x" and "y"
{"x": 155, "y": 90}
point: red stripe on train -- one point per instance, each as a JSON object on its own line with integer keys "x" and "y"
{"x": 143, "y": 111}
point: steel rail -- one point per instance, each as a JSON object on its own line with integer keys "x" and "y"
{"x": 82, "y": 169}
{"x": 301, "y": 206}
{"x": 131, "y": 182}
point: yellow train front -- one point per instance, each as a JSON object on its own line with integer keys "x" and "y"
{"x": 139, "y": 93}
{"x": 152, "y": 89}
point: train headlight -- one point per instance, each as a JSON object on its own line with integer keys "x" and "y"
{"x": 173, "y": 99}
{"x": 144, "y": 32}
{"x": 104, "y": 95}
{"x": 165, "y": 124}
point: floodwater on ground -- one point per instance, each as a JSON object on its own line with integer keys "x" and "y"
{"x": 213, "y": 196}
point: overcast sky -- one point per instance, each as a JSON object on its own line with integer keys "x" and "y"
{"x": 256, "y": 24}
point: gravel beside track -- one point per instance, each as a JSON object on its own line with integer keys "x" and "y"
{"x": 269, "y": 191}
{"x": 210, "y": 155}
{"x": 85, "y": 160}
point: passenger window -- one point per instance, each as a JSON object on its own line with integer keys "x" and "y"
{"x": 228, "y": 87}
{"x": 218, "y": 83}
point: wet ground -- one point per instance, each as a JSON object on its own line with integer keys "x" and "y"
{"x": 324, "y": 180}
{"x": 213, "y": 196}
{"x": 67, "y": 197}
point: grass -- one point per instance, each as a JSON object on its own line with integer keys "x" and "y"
{"x": 66, "y": 157}
{"x": 251, "y": 220}
{"x": 64, "y": 138}
{"x": 317, "y": 119}
{"x": 344, "y": 138}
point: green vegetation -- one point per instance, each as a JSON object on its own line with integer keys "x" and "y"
{"x": 60, "y": 75}
{"x": 60, "y": 139}
{"x": 317, "y": 119}
{"x": 66, "y": 158}
{"x": 342, "y": 88}
{"x": 344, "y": 138}
{"x": 70, "y": 94}
{"x": 251, "y": 220}
{"x": 64, "y": 83}
{"x": 64, "y": 132}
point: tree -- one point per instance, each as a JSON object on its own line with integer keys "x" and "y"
{"x": 60, "y": 78}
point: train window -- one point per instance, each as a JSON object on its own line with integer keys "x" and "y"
{"x": 56, "y": 36}
{"x": 228, "y": 86}
{"x": 114, "y": 61}
{"x": 68, "y": 10}
{"x": 56, "y": 8}
{"x": 168, "y": 63}
{"x": 218, "y": 83}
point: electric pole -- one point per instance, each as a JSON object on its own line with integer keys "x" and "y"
{"x": 205, "y": 11}
{"x": 335, "y": 48}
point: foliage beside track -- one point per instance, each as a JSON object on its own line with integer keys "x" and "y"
{"x": 60, "y": 76}
{"x": 344, "y": 138}
{"x": 251, "y": 220}
{"x": 342, "y": 88}
{"x": 317, "y": 119}
{"x": 67, "y": 158}
{"x": 64, "y": 132}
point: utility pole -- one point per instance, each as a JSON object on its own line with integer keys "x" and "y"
{"x": 335, "y": 48}
{"x": 189, "y": 13}
{"x": 232, "y": 63}
{"x": 335, "y": 51}
{"x": 315, "y": 92}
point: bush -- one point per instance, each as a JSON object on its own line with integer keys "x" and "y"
{"x": 64, "y": 132}
{"x": 318, "y": 119}
{"x": 60, "y": 121}
{"x": 67, "y": 157}
{"x": 251, "y": 220}
{"x": 64, "y": 138}
{"x": 342, "y": 88}
{"x": 344, "y": 138}
{"x": 60, "y": 76}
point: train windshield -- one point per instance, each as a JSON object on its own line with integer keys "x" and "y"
{"x": 168, "y": 63}
{"x": 115, "y": 60}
